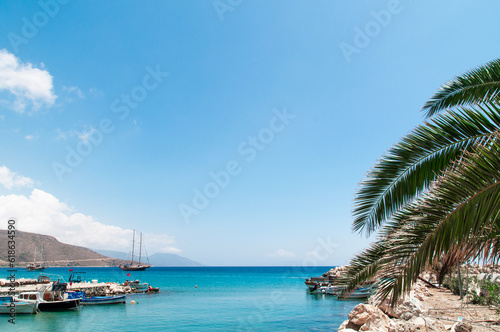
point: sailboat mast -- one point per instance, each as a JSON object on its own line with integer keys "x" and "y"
{"x": 140, "y": 250}
{"x": 133, "y": 244}
{"x": 34, "y": 257}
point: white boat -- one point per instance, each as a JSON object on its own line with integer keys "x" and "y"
{"x": 330, "y": 290}
{"x": 137, "y": 285}
{"x": 357, "y": 294}
{"x": 49, "y": 300}
{"x": 10, "y": 305}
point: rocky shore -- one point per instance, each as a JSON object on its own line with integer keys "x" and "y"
{"x": 428, "y": 309}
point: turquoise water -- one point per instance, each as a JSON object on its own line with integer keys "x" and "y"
{"x": 225, "y": 299}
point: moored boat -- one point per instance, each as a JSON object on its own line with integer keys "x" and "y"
{"x": 37, "y": 266}
{"x": 132, "y": 266}
{"x": 113, "y": 299}
{"x": 49, "y": 300}
{"x": 9, "y": 305}
{"x": 357, "y": 294}
{"x": 138, "y": 286}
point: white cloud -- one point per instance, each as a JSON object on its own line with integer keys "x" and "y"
{"x": 43, "y": 213}
{"x": 32, "y": 137}
{"x": 61, "y": 135}
{"x": 25, "y": 83}
{"x": 282, "y": 253}
{"x": 10, "y": 179}
{"x": 74, "y": 90}
{"x": 84, "y": 135}
{"x": 71, "y": 92}
{"x": 171, "y": 250}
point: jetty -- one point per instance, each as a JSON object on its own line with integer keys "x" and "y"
{"x": 93, "y": 288}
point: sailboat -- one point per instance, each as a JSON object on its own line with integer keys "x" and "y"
{"x": 132, "y": 266}
{"x": 36, "y": 266}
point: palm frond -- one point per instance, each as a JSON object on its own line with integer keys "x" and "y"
{"x": 481, "y": 85}
{"x": 460, "y": 213}
{"x": 411, "y": 165}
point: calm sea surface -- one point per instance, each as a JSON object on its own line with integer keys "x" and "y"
{"x": 225, "y": 299}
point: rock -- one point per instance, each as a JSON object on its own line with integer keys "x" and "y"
{"x": 461, "y": 327}
{"x": 347, "y": 326}
{"x": 416, "y": 324}
{"x": 368, "y": 318}
{"x": 405, "y": 309}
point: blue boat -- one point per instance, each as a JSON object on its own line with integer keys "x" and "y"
{"x": 114, "y": 299}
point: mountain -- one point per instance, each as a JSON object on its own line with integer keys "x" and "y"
{"x": 55, "y": 253}
{"x": 163, "y": 259}
{"x": 158, "y": 259}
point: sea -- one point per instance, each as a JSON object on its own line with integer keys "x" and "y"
{"x": 196, "y": 299}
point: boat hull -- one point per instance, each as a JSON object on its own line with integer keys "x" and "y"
{"x": 133, "y": 268}
{"x": 103, "y": 300}
{"x": 8, "y": 306}
{"x": 29, "y": 268}
{"x": 59, "y": 305}
{"x": 18, "y": 308}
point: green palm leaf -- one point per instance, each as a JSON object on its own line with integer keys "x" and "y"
{"x": 409, "y": 166}
{"x": 481, "y": 85}
{"x": 462, "y": 211}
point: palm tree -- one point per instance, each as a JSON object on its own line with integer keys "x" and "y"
{"x": 437, "y": 191}
{"x": 410, "y": 166}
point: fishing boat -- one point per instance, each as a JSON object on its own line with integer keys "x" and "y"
{"x": 314, "y": 283}
{"x": 138, "y": 286}
{"x": 49, "y": 300}
{"x": 132, "y": 266}
{"x": 152, "y": 290}
{"x": 330, "y": 290}
{"x": 357, "y": 294}
{"x": 37, "y": 266}
{"x": 9, "y": 305}
{"x": 116, "y": 299}
{"x": 113, "y": 299}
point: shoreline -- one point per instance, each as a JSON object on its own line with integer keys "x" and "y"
{"x": 424, "y": 309}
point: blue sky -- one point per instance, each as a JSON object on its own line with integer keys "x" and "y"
{"x": 286, "y": 103}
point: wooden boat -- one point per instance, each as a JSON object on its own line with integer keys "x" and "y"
{"x": 9, "y": 305}
{"x": 314, "y": 283}
{"x": 330, "y": 290}
{"x": 132, "y": 266}
{"x": 37, "y": 266}
{"x": 114, "y": 299}
{"x": 52, "y": 300}
{"x": 357, "y": 294}
{"x": 138, "y": 286}
{"x": 152, "y": 290}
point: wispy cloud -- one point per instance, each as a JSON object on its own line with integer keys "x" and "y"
{"x": 72, "y": 91}
{"x": 24, "y": 84}
{"x": 84, "y": 135}
{"x": 10, "y": 179}
{"x": 171, "y": 250}
{"x": 282, "y": 253}
{"x": 31, "y": 137}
